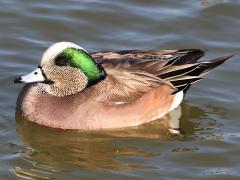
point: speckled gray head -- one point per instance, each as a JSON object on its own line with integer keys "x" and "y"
{"x": 65, "y": 69}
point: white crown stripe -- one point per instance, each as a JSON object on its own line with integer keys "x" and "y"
{"x": 56, "y": 49}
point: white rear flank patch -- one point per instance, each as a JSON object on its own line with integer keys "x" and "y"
{"x": 178, "y": 97}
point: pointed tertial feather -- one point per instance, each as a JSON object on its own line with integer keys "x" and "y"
{"x": 154, "y": 66}
{"x": 186, "y": 75}
{"x": 183, "y": 88}
{"x": 183, "y": 80}
{"x": 207, "y": 66}
{"x": 190, "y": 56}
{"x": 185, "y": 57}
{"x": 172, "y": 61}
{"x": 175, "y": 71}
{"x": 148, "y": 69}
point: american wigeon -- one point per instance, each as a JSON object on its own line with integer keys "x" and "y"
{"x": 73, "y": 89}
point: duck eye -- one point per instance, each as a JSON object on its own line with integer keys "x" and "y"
{"x": 61, "y": 61}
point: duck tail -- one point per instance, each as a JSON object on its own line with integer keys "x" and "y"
{"x": 183, "y": 74}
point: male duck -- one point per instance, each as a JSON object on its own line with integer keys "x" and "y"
{"x": 72, "y": 89}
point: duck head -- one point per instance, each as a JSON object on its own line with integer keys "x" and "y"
{"x": 65, "y": 69}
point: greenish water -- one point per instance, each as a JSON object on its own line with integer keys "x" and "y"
{"x": 208, "y": 147}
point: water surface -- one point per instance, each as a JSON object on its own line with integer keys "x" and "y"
{"x": 208, "y": 146}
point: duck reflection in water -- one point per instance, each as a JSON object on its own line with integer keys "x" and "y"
{"x": 99, "y": 149}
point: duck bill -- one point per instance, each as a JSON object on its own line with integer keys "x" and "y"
{"x": 34, "y": 76}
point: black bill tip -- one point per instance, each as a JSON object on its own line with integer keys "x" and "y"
{"x": 18, "y": 80}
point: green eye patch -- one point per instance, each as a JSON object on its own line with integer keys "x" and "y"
{"x": 78, "y": 58}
